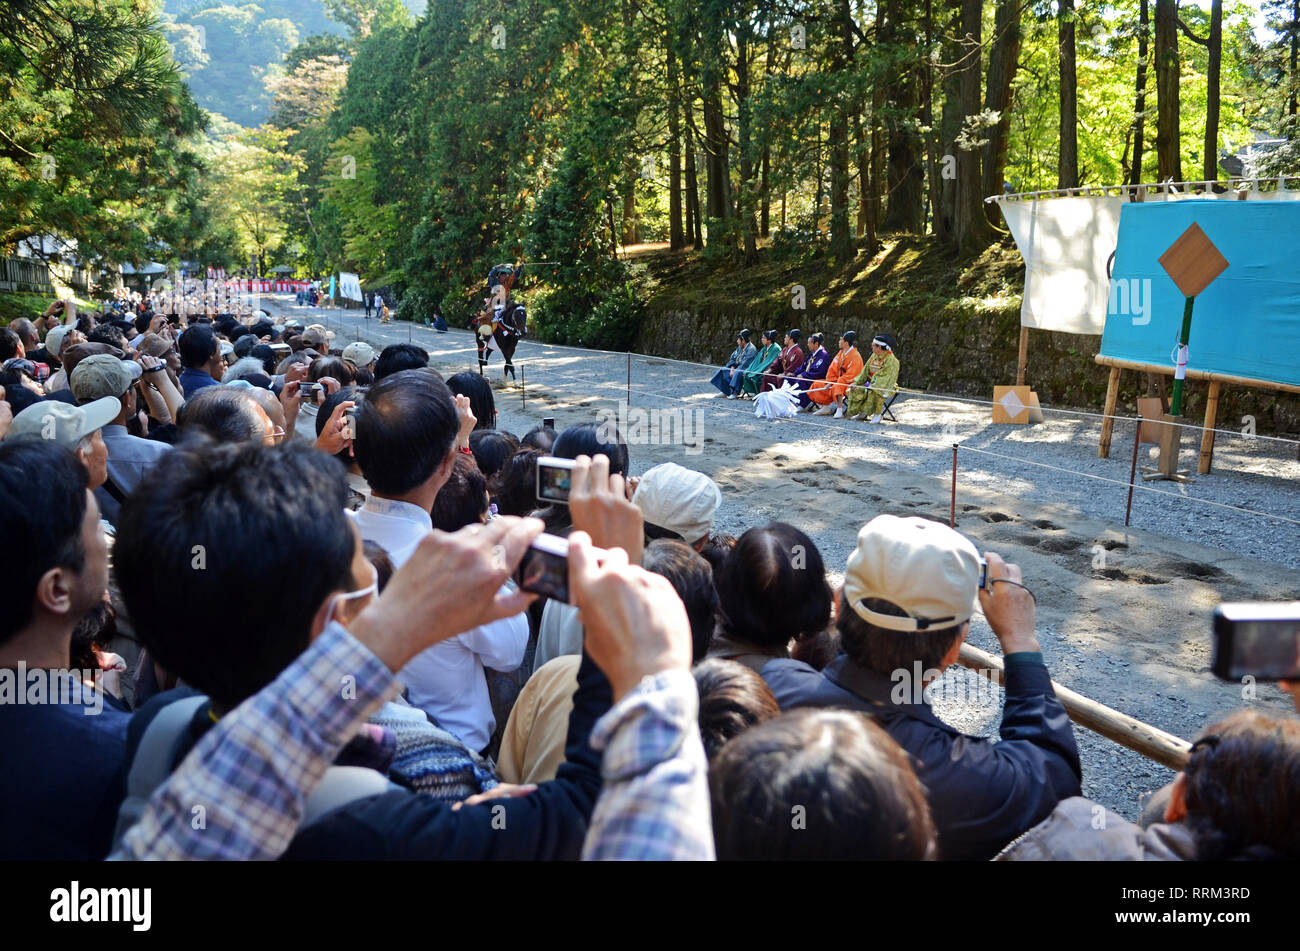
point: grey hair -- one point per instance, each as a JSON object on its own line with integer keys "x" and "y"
{"x": 242, "y": 369}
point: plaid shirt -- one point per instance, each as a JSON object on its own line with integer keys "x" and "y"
{"x": 240, "y": 793}
{"x": 654, "y": 804}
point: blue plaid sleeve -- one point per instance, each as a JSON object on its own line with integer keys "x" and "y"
{"x": 654, "y": 803}
{"x": 240, "y": 792}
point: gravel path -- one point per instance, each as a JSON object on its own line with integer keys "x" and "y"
{"x": 1123, "y": 614}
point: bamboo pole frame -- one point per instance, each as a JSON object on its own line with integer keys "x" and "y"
{"x": 1127, "y": 731}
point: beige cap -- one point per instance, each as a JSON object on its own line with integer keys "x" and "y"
{"x": 360, "y": 353}
{"x": 63, "y": 423}
{"x": 678, "y": 499}
{"x": 927, "y": 569}
{"x": 54, "y": 339}
{"x": 101, "y": 375}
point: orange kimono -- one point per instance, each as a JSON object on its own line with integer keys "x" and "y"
{"x": 844, "y": 368}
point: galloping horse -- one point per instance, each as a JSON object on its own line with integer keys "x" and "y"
{"x": 505, "y": 330}
{"x": 502, "y": 319}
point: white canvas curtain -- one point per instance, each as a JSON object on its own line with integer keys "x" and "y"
{"x": 1066, "y": 244}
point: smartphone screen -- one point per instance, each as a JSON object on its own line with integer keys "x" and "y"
{"x": 1257, "y": 640}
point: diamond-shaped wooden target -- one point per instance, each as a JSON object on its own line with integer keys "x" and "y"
{"x": 1193, "y": 261}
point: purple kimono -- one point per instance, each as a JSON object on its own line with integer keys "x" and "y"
{"x": 814, "y": 369}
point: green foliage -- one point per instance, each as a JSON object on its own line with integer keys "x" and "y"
{"x": 98, "y": 141}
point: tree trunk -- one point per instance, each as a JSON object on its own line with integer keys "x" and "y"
{"x": 972, "y": 232}
{"x": 1003, "y": 59}
{"x": 949, "y": 123}
{"x": 694, "y": 233}
{"x": 765, "y": 207}
{"x": 1169, "y": 164}
{"x": 746, "y": 203}
{"x": 676, "y": 237}
{"x": 906, "y": 178}
{"x": 1067, "y": 163}
{"x": 841, "y": 58}
{"x": 1210, "y": 160}
{"x": 1140, "y": 99}
{"x": 1295, "y": 56}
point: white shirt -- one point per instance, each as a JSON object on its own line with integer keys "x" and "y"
{"x": 447, "y": 680}
{"x": 394, "y": 526}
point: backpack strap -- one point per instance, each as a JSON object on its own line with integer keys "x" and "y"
{"x": 341, "y": 786}
{"x": 152, "y": 763}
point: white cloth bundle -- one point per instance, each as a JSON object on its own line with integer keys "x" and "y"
{"x": 781, "y": 403}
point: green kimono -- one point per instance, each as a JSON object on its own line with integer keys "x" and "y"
{"x": 880, "y": 372}
{"x": 754, "y": 374}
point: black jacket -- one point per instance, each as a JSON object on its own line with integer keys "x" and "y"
{"x": 982, "y": 794}
{"x": 549, "y": 823}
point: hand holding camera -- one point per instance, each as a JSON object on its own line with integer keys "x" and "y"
{"x": 1008, "y": 606}
{"x": 635, "y": 623}
{"x": 599, "y": 505}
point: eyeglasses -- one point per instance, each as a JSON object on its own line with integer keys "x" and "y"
{"x": 276, "y": 433}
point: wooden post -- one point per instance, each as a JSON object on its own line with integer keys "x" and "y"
{"x": 1151, "y": 742}
{"x": 629, "y": 378}
{"x": 952, "y": 513}
{"x": 1132, "y": 471}
{"x": 1108, "y": 424}
{"x": 523, "y": 389}
{"x": 1023, "y": 358}
{"x": 1176, "y": 409}
{"x": 1207, "y": 436}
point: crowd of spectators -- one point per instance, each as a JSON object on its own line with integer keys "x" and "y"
{"x": 249, "y": 570}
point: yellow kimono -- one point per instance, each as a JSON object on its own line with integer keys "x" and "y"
{"x": 880, "y": 373}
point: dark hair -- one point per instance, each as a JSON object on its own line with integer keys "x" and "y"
{"x": 244, "y": 345}
{"x": 42, "y": 508}
{"x": 200, "y": 556}
{"x": 377, "y": 556}
{"x": 732, "y": 699}
{"x": 463, "y": 498}
{"x": 850, "y": 337}
{"x": 539, "y": 437}
{"x": 95, "y": 631}
{"x": 263, "y": 328}
{"x": 794, "y": 335}
{"x": 263, "y": 352}
{"x": 224, "y": 413}
{"x": 400, "y": 356}
{"x": 514, "y": 488}
{"x": 326, "y": 410}
{"x": 364, "y": 376}
{"x": 479, "y": 391}
{"x": 197, "y": 345}
{"x": 109, "y": 334}
{"x": 491, "y": 448}
{"x": 334, "y": 367}
{"x": 844, "y": 779}
{"x": 769, "y": 336}
{"x": 772, "y": 587}
{"x": 815, "y": 338}
{"x": 744, "y": 335}
{"x": 143, "y": 321}
{"x": 817, "y": 650}
{"x": 405, "y": 428}
{"x": 1242, "y": 783}
{"x": 586, "y": 439}
{"x": 885, "y": 651}
{"x": 692, "y": 579}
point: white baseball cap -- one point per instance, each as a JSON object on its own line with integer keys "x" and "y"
{"x": 930, "y": 571}
{"x": 679, "y": 499}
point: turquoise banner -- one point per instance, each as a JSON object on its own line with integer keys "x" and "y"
{"x": 1246, "y": 323}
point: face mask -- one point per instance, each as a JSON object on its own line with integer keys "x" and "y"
{"x": 372, "y": 588}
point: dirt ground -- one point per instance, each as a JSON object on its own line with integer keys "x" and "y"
{"x": 1123, "y": 615}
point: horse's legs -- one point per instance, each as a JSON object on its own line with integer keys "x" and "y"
{"x": 508, "y": 351}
